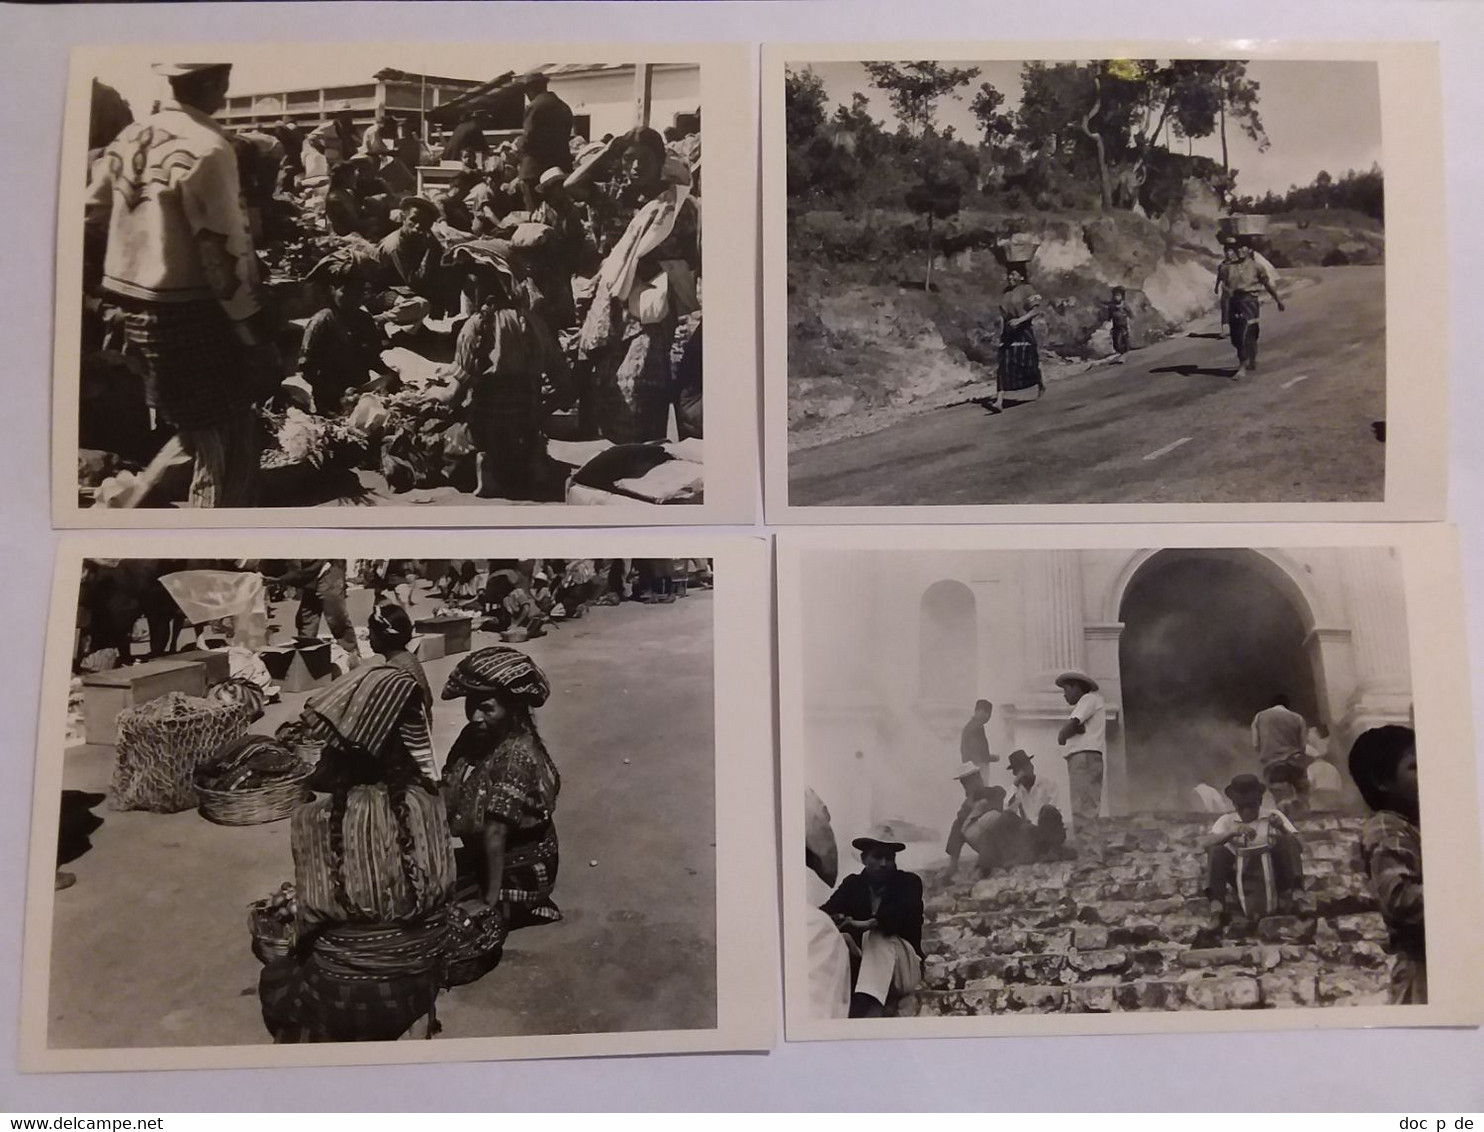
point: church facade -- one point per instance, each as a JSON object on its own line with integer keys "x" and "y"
{"x": 1186, "y": 645}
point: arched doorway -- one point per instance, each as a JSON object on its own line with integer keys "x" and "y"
{"x": 948, "y": 644}
{"x": 1209, "y": 637}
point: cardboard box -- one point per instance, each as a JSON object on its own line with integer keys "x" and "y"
{"x": 427, "y": 646}
{"x": 300, "y": 667}
{"x": 457, "y": 632}
{"x": 216, "y": 662}
{"x": 105, "y": 694}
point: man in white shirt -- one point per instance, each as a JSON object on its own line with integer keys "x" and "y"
{"x": 1085, "y": 733}
{"x": 1032, "y": 827}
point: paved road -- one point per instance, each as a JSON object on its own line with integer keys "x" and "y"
{"x": 1175, "y": 424}
{"x": 150, "y": 947}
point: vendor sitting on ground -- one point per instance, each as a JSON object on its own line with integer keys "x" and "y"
{"x": 501, "y": 785}
{"x": 982, "y": 807}
{"x": 509, "y": 604}
{"x": 342, "y": 343}
{"x": 410, "y": 280}
{"x": 374, "y": 873}
{"x": 1254, "y": 859}
{"x": 879, "y": 911}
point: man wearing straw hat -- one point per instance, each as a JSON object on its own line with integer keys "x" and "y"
{"x": 181, "y": 268}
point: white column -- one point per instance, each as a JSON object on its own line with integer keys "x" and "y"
{"x": 1053, "y": 615}
{"x": 1373, "y": 594}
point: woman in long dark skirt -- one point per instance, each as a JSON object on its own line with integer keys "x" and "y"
{"x": 501, "y": 785}
{"x": 1020, "y": 353}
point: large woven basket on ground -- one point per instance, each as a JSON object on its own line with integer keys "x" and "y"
{"x": 252, "y": 805}
{"x": 256, "y": 806}
{"x": 162, "y": 742}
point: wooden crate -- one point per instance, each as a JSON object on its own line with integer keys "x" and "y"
{"x": 105, "y": 694}
{"x": 427, "y": 646}
{"x": 216, "y": 663}
{"x": 457, "y": 632}
{"x": 299, "y": 667}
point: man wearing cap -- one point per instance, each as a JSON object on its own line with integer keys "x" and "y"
{"x": 1086, "y": 733}
{"x": 981, "y": 807}
{"x": 973, "y": 744}
{"x": 879, "y": 911}
{"x": 181, "y": 268}
{"x": 1253, "y": 853}
{"x": 546, "y": 134}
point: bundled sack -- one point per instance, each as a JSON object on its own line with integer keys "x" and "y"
{"x": 250, "y": 762}
{"x": 239, "y": 690}
{"x": 161, "y": 744}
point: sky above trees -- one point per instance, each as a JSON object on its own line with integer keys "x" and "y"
{"x": 1318, "y": 115}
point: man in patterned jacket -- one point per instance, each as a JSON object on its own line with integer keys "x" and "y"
{"x": 181, "y": 268}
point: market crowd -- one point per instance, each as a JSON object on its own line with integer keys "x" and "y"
{"x": 411, "y": 865}
{"x": 241, "y": 289}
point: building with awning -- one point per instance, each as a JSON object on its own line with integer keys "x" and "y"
{"x": 606, "y": 98}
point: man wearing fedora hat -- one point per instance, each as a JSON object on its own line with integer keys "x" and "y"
{"x": 1086, "y": 733}
{"x": 879, "y": 911}
{"x": 181, "y": 269}
{"x": 1253, "y": 853}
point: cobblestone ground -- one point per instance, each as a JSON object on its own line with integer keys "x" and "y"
{"x": 1126, "y": 927}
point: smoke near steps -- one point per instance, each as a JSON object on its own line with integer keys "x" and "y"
{"x": 1207, "y": 643}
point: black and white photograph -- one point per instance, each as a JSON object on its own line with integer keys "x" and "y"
{"x": 468, "y": 281}
{"x": 1045, "y": 281}
{"x": 352, "y": 800}
{"x": 1106, "y": 780}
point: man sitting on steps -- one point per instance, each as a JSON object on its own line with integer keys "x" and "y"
{"x": 879, "y": 911}
{"x": 1254, "y": 860}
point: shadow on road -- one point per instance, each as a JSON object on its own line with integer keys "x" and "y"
{"x": 1186, "y": 369}
{"x": 1213, "y": 335}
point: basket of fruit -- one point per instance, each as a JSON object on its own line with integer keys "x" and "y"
{"x": 273, "y": 923}
{"x": 251, "y": 781}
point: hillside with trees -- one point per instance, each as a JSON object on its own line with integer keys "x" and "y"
{"x": 892, "y": 227}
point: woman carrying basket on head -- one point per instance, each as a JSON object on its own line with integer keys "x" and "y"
{"x": 374, "y": 874}
{"x": 501, "y": 784}
{"x": 1019, "y": 353}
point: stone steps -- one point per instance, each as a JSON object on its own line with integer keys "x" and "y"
{"x": 1124, "y": 926}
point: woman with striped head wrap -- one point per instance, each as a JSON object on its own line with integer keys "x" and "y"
{"x": 501, "y": 785}
{"x": 373, "y": 871}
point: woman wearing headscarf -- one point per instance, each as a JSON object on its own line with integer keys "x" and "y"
{"x": 501, "y": 785}
{"x": 1019, "y": 353}
{"x": 503, "y": 357}
{"x": 373, "y": 872}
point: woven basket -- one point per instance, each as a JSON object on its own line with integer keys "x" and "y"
{"x": 271, "y": 939}
{"x": 256, "y": 806}
{"x": 476, "y": 943}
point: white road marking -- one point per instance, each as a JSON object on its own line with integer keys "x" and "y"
{"x": 1167, "y": 449}
{"x": 1294, "y": 381}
